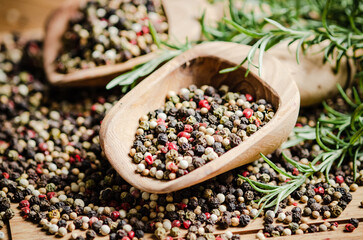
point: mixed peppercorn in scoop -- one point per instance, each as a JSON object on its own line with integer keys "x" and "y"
{"x": 109, "y": 32}
{"x": 195, "y": 127}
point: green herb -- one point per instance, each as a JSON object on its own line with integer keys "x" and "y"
{"x": 340, "y": 136}
{"x": 269, "y": 22}
{"x": 307, "y": 22}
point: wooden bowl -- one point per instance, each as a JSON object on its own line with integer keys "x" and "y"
{"x": 200, "y": 66}
{"x": 182, "y": 20}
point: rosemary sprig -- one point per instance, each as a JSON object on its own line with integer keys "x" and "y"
{"x": 306, "y": 22}
{"x": 340, "y": 136}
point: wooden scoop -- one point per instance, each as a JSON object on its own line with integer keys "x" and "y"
{"x": 200, "y": 66}
{"x": 183, "y": 22}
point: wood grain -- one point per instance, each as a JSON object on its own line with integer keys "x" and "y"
{"x": 200, "y": 66}
{"x": 183, "y": 23}
{"x": 21, "y": 229}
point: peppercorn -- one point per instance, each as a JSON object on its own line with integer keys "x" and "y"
{"x": 335, "y": 211}
{"x": 354, "y": 222}
{"x": 268, "y": 228}
{"x": 90, "y": 235}
{"x": 349, "y": 227}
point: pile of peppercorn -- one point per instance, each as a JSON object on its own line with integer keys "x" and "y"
{"x": 109, "y": 32}
{"x": 195, "y": 127}
{"x": 52, "y": 166}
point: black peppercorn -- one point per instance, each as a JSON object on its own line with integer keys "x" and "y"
{"x": 62, "y": 223}
{"x": 312, "y": 229}
{"x": 244, "y": 220}
{"x": 78, "y": 223}
{"x": 225, "y": 222}
{"x": 268, "y": 228}
{"x": 90, "y": 234}
{"x": 139, "y": 233}
{"x": 354, "y": 222}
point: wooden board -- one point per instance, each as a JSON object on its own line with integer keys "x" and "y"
{"x": 21, "y": 229}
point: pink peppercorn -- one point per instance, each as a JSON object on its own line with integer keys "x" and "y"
{"x": 172, "y": 145}
{"x": 204, "y": 103}
{"x": 339, "y": 179}
{"x": 115, "y": 215}
{"x": 176, "y": 223}
{"x": 149, "y": 159}
{"x": 349, "y": 227}
{"x": 248, "y": 112}
{"x": 184, "y": 134}
{"x": 188, "y": 128}
{"x": 131, "y": 234}
{"x": 249, "y": 97}
{"x": 186, "y": 224}
{"x": 24, "y": 203}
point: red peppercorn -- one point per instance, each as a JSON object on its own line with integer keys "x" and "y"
{"x": 339, "y": 179}
{"x": 41, "y": 196}
{"x": 25, "y": 210}
{"x": 294, "y": 203}
{"x": 207, "y": 215}
{"x": 6, "y": 175}
{"x": 188, "y": 128}
{"x": 298, "y": 125}
{"x": 43, "y": 147}
{"x": 24, "y": 203}
{"x": 248, "y": 112}
{"x": 321, "y": 190}
{"x": 187, "y": 224}
{"x": 176, "y": 223}
{"x": 349, "y": 227}
{"x": 172, "y": 145}
{"x": 204, "y": 103}
{"x": 169, "y": 238}
{"x": 131, "y": 234}
{"x": 50, "y": 195}
{"x": 335, "y": 224}
{"x": 249, "y": 97}
{"x": 295, "y": 172}
{"x": 125, "y": 238}
{"x": 72, "y": 160}
{"x": 182, "y": 206}
{"x": 246, "y": 173}
{"x": 184, "y": 134}
{"x": 164, "y": 149}
{"x": 125, "y": 206}
{"x": 115, "y": 215}
{"x": 93, "y": 108}
{"x": 172, "y": 167}
{"x": 149, "y": 159}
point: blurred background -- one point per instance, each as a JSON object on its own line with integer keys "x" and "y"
{"x": 18, "y": 15}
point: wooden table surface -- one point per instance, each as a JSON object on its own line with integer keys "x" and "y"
{"x": 20, "y": 229}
